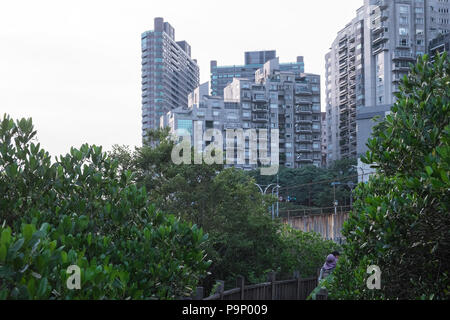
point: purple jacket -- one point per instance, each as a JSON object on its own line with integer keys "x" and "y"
{"x": 330, "y": 263}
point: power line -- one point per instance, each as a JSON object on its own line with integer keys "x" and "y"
{"x": 320, "y": 182}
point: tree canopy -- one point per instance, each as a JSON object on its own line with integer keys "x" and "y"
{"x": 82, "y": 210}
{"x": 401, "y": 220}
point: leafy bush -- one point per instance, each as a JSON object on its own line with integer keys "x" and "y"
{"x": 303, "y": 251}
{"x": 243, "y": 239}
{"x": 401, "y": 220}
{"x": 81, "y": 210}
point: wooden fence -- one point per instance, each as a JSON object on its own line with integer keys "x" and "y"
{"x": 294, "y": 289}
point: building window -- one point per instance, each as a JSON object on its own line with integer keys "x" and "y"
{"x": 185, "y": 125}
{"x": 404, "y": 9}
{"x": 403, "y": 31}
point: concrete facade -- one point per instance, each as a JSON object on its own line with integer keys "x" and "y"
{"x": 221, "y": 76}
{"x": 275, "y": 99}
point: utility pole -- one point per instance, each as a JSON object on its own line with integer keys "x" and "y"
{"x": 335, "y": 203}
{"x": 351, "y": 185}
{"x": 278, "y": 197}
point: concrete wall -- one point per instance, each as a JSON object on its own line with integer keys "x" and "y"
{"x": 327, "y": 225}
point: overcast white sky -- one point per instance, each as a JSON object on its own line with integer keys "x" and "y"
{"x": 74, "y": 66}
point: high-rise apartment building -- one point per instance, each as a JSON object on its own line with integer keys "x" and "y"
{"x": 274, "y": 99}
{"x": 369, "y": 58}
{"x": 169, "y": 73}
{"x": 344, "y": 89}
{"x": 439, "y": 45}
{"x": 221, "y": 76}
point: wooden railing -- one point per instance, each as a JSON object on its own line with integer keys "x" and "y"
{"x": 293, "y": 289}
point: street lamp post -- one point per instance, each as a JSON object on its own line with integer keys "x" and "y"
{"x": 335, "y": 203}
{"x": 273, "y": 189}
{"x": 351, "y": 185}
{"x": 264, "y": 191}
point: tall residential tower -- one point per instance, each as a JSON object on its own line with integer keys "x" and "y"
{"x": 369, "y": 58}
{"x": 169, "y": 73}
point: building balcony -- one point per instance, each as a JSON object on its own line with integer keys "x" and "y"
{"x": 303, "y": 93}
{"x": 397, "y": 78}
{"x": 246, "y": 97}
{"x": 403, "y": 55}
{"x": 343, "y": 54}
{"x": 343, "y": 113}
{"x": 343, "y": 72}
{"x": 232, "y": 126}
{"x": 258, "y": 118}
{"x": 306, "y": 129}
{"x": 260, "y": 98}
{"x": 302, "y": 101}
{"x": 303, "y": 121}
{"x": 382, "y": 16}
{"x": 379, "y": 39}
{"x": 303, "y": 139}
{"x": 379, "y": 48}
{"x": 343, "y": 82}
{"x": 343, "y": 64}
{"x": 303, "y": 159}
{"x": 300, "y": 110}
{"x": 403, "y": 45}
{"x": 302, "y": 87}
{"x": 400, "y": 68}
{"x": 382, "y": 4}
{"x": 260, "y": 108}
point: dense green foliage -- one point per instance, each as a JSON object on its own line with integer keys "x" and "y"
{"x": 243, "y": 239}
{"x": 310, "y": 186}
{"x": 83, "y": 210}
{"x": 401, "y": 220}
{"x": 303, "y": 251}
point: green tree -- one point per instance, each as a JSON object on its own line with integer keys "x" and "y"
{"x": 401, "y": 220}
{"x": 82, "y": 210}
{"x": 310, "y": 186}
{"x": 243, "y": 239}
{"x": 303, "y": 251}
